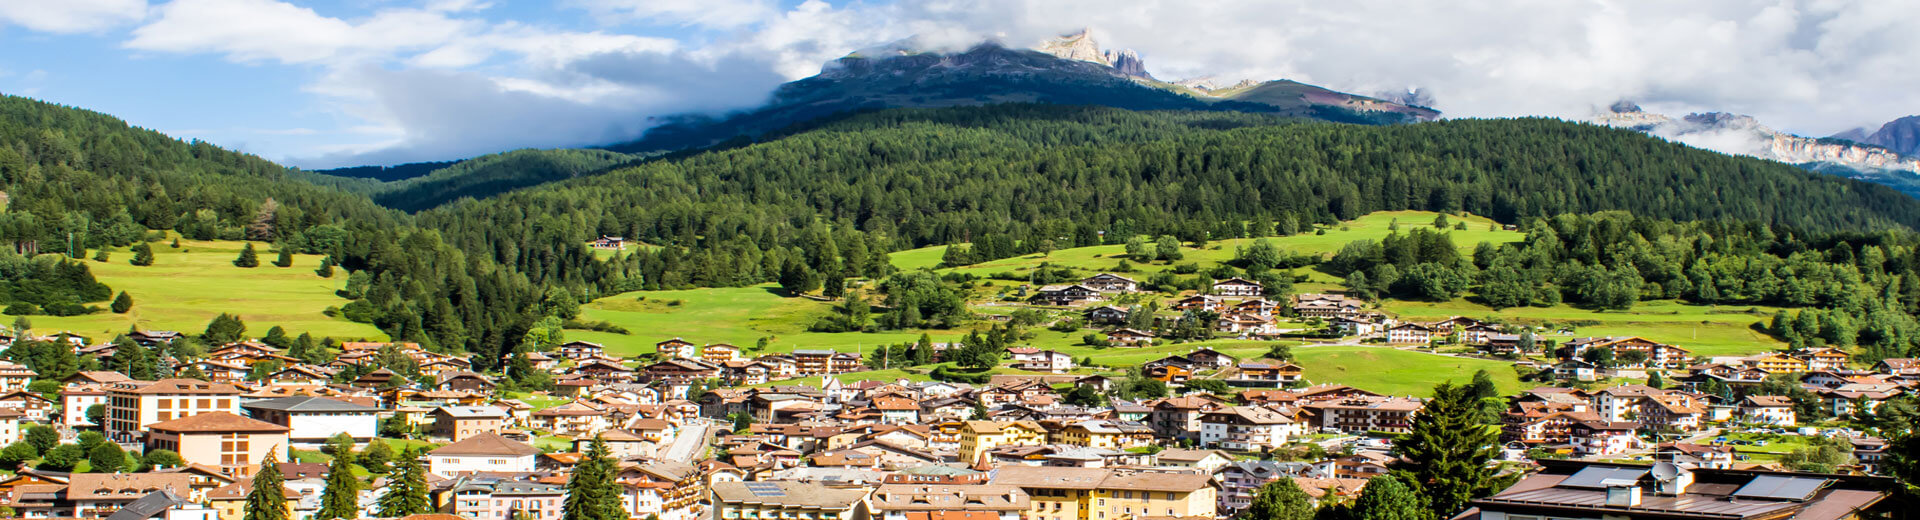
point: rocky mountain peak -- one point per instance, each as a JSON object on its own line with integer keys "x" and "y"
{"x": 1900, "y": 135}
{"x": 1081, "y": 46}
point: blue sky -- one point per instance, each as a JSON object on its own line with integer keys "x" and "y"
{"x": 350, "y": 82}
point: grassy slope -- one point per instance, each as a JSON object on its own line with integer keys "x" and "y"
{"x": 185, "y": 288}
{"x": 1705, "y": 330}
{"x": 737, "y": 315}
{"x": 1372, "y": 226}
{"x": 1398, "y": 372}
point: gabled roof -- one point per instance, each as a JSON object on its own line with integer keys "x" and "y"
{"x": 308, "y": 404}
{"x": 488, "y": 443}
{"x": 215, "y": 422}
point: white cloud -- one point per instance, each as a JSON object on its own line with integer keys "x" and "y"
{"x": 71, "y": 16}
{"x": 442, "y": 79}
{"x": 262, "y": 30}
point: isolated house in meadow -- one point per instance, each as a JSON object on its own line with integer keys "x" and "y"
{"x": 1236, "y": 288}
{"x": 1109, "y": 282}
{"x": 1065, "y": 295}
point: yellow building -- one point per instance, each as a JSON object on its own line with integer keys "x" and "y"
{"x": 1104, "y": 434}
{"x": 1776, "y": 363}
{"x": 977, "y": 437}
{"x": 1110, "y": 493}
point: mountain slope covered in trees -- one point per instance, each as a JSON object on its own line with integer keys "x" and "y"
{"x": 71, "y": 174}
{"x": 1016, "y": 175}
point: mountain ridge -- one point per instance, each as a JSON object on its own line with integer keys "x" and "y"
{"x": 1071, "y": 69}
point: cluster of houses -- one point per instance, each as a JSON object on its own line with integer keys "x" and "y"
{"x": 1016, "y": 447}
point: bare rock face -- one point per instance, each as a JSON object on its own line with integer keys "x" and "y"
{"x": 1080, "y": 46}
{"x": 1743, "y": 135}
{"x": 1128, "y": 64}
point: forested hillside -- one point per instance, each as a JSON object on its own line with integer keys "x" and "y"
{"x": 70, "y": 174}
{"x": 813, "y": 206}
{"x": 1018, "y": 175}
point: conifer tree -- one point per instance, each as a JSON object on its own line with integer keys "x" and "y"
{"x": 326, "y": 268}
{"x": 285, "y": 259}
{"x": 592, "y": 491}
{"x": 340, "y": 499}
{"x": 1446, "y": 454}
{"x": 122, "y": 303}
{"x": 248, "y": 258}
{"x": 268, "y": 499}
{"x": 133, "y": 360}
{"x": 142, "y": 255}
{"x": 406, "y": 488}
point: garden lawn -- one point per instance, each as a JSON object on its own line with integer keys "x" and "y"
{"x": 1391, "y": 371}
{"x": 735, "y": 315}
{"x": 1705, "y": 330}
{"x": 185, "y": 288}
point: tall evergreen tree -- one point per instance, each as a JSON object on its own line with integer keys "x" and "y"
{"x": 1447, "y": 452}
{"x": 285, "y": 259}
{"x": 406, "y": 488}
{"x": 268, "y": 498}
{"x": 248, "y": 258}
{"x": 592, "y": 491}
{"x": 133, "y": 360}
{"x": 341, "y": 497}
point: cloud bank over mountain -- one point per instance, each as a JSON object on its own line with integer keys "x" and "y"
{"x": 453, "y": 78}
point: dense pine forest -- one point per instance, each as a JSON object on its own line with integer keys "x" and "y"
{"x": 80, "y": 177}
{"x": 811, "y": 206}
{"x": 1026, "y": 174}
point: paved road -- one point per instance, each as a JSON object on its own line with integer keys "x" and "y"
{"x": 689, "y": 442}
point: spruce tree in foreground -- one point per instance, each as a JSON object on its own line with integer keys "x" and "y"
{"x": 341, "y": 497}
{"x": 248, "y": 258}
{"x": 285, "y": 259}
{"x": 592, "y": 491}
{"x": 268, "y": 498}
{"x": 406, "y": 488}
{"x": 1446, "y": 454}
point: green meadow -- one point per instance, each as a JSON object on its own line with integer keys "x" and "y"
{"x": 1706, "y": 330}
{"x": 735, "y": 315}
{"x": 186, "y": 287}
{"x": 1373, "y": 226}
{"x": 1390, "y": 371}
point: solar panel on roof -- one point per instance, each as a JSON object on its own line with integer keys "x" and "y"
{"x": 1600, "y": 477}
{"x": 1780, "y": 487}
{"x": 765, "y": 489}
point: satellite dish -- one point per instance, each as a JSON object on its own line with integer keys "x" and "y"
{"x": 1665, "y": 472}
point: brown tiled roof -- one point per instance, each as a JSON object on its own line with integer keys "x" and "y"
{"x": 486, "y": 444}
{"x": 125, "y": 486}
{"x": 179, "y": 386}
{"x": 217, "y": 422}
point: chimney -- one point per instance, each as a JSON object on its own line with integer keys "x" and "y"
{"x": 1623, "y": 496}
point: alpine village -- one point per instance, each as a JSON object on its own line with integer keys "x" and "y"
{"x": 1113, "y": 299}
